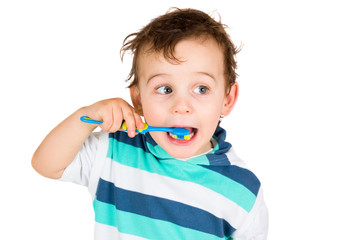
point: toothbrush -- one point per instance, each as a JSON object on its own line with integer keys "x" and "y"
{"x": 179, "y": 133}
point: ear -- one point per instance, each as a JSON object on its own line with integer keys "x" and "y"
{"x": 230, "y": 100}
{"x": 136, "y": 99}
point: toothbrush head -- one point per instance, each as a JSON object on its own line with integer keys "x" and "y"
{"x": 181, "y": 133}
{"x": 184, "y": 137}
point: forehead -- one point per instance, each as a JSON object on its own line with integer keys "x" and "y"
{"x": 190, "y": 55}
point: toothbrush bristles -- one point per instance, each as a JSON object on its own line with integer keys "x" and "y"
{"x": 184, "y": 137}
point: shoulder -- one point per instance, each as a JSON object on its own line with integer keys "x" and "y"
{"x": 237, "y": 171}
{"x": 242, "y": 173}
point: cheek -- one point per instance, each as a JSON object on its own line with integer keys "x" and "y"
{"x": 212, "y": 113}
{"x": 211, "y": 107}
{"x": 153, "y": 113}
{"x": 211, "y": 122}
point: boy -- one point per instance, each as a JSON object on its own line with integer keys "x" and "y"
{"x": 153, "y": 186}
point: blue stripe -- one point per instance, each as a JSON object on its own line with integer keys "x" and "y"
{"x": 220, "y": 135}
{"x": 218, "y": 156}
{"x": 162, "y": 209}
{"x": 148, "y": 228}
{"x": 185, "y": 171}
{"x": 220, "y": 160}
{"x": 240, "y": 175}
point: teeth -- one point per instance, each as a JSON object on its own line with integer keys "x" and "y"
{"x": 173, "y": 135}
{"x": 186, "y": 137}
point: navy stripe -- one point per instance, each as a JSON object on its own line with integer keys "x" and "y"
{"x": 163, "y": 209}
{"x": 220, "y": 160}
{"x": 240, "y": 175}
{"x": 220, "y": 134}
{"x": 150, "y": 140}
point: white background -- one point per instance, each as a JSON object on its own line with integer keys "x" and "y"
{"x": 293, "y": 123}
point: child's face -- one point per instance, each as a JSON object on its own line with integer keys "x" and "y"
{"x": 190, "y": 94}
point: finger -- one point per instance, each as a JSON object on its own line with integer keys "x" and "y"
{"x": 117, "y": 119}
{"x": 128, "y": 116}
{"x": 138, "y": 120}
{"x": 107, "y": 121}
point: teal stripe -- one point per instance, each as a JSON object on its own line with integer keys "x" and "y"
{"x": 158, "y": 151}
{"x": 203, "y": 160}
{"x": 137, "y": 225}
{"x": 215, "y": 148}
{"x": 136, "y": 157}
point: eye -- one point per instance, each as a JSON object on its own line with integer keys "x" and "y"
{"x": 201, "y": 89}
{"x": 164, "y": 90}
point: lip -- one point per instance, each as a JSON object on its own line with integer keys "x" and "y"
{"x": 181, "y": 126}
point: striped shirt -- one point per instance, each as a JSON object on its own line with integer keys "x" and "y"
{"x": 140, "y": 192}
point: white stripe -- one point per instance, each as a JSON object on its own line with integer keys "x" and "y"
{"x": 257, "y": 224}
{"x": 106, "y": 232}
{"x": 99, "y": 162}
{"x": 234, "y": 159}
{"x": 189, "y": 193}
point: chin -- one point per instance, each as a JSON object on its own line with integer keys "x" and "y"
{"x": 178, "y": 155}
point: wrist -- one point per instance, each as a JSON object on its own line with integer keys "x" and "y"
{"x": 83, "y": 111}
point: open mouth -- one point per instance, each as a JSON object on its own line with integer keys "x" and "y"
{"x": 186, "y": 138}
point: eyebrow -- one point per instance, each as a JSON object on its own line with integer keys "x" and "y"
{"x": 156, "y": 75}
{"x": 207, "y": 74}
{"x": 210, "y": 75}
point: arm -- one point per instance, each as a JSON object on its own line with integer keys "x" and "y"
{"x": 256, "y": 225}
{"x": 62, "y": 144}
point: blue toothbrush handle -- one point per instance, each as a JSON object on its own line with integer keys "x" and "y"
{"x": 181, "y": 132}
{"x": 86, "y": 119}
{"x": 177, "y": 131}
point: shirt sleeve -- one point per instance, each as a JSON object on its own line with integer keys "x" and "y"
{"x": 257, "y": 223}
{"x": 80, "y": 169}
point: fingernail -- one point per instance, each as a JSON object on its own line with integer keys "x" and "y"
{"x": 131, "y": 134}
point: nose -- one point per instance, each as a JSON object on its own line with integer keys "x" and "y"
{"x": 181, "y": 105}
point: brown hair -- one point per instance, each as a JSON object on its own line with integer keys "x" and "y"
{"x": 164, "y": 32}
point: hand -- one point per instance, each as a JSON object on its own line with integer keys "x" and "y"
{"x": 113, "y": 112}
